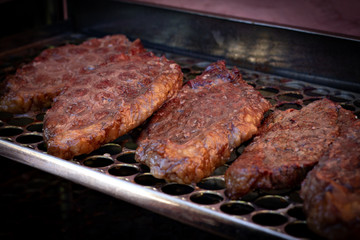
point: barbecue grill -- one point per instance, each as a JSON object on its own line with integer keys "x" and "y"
{"x": 289, "y": 67}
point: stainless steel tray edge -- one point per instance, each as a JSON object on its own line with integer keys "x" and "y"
{"x": 153, "y": 200}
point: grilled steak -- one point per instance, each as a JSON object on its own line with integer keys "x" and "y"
{"x": 35, "y": 84}
{"x": 288, "y": 145}
{"x": 196, "y": 131}
{"x": 331, "y": 191}
{"x": 108, "y": 101}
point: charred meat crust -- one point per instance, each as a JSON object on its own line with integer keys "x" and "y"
{"x": 196, "y": 131}
{"x": 288, "y": 145}
{"x": 35, "y": 84}
{"x": 97, "y": 91}
{"x": 108, "y": 102}
{"x": 331, "y": 191}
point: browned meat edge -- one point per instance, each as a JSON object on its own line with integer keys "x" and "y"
{"x": 331, "y": 191}
{"x": 288, "y": 145}
{"x": 196, "y": 131}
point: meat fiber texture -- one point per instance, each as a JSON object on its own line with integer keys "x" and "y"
{"x": 107, "y": 102}
{"x": 195, "y": 132}
{"x": 98, "y": 91}
{"x": 287, "y": 146}
{"x": 331, "y": 191}
{"x": 35, "y": 84}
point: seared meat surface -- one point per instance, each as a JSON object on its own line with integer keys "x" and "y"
{"x": 34, "y": 85}
{"x": 331, "y": 191}
{"x": 196, "y": 131}
{"x": 288, "y": 145}
{"x": 101, "y": 89}
{"x": 108, "y": 101}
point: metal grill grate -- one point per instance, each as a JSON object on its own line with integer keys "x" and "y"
{"x": 280, "y": 211}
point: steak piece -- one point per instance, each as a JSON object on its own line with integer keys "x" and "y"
{"x": 106, "y": 102}
{"x": 288, "y": 145}
{"x": 196, "y": 131}
{"x": 34, "y": 85}
{"x": 331, "y": 191}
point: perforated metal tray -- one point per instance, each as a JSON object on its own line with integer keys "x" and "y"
{"x": 113, "y": 170}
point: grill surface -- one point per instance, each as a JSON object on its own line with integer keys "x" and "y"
{"x": 276, "y": 211}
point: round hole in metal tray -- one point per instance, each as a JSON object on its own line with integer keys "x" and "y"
{"x": 300, "y": 229}
{"x": 290, "y": 97}
{"x": 341, "y": 97}
{"x": 297, "y": 212}
{"x": 269, "y": 218}
{"x": 185, "y": 70}
{"x": 40, "y": 116}
{"x": 29, "y": 138}
{"x": 271, "y": 101}
{"x": 292, "y": 86}
{"x": 282, "y": 192}
{"x": 4, "y": 116}
{"x": 348, "y": 107}
{"x": 122, "y": 139}
{"x": 220, "y": 171}
{"x": 9, "y": 131}
{"x": 287, "y": 88}
{"x": 286, "y": 106}
{"x": 147, "y": 179}
{"x": 237, "y": 208}
{"x": 144, "y": 168}
{"x": 123, "y": 170}
{"x": 131, "y": 145}
{"x": 251, "y": 196}
{"x": 268, "y": 92}
{"x": 310, "y": 100}
{"x": 36, "y": 127}
{"x": 294, "y": 196}
{"x": 316, "y": 92}
{"x": 177, "y": 189}
{"x": 98, "y": 161}
{"x": 212, "y": 183}
{"x": 127, "y": 158}
{"x": 206, "y": 198}
{"x": 272, "y": 80}
{"x": 20, "y": 121}
{"x": 42, "y": 147}
{"x": 272, "y": 202}
{"x": 109, "y": 148}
